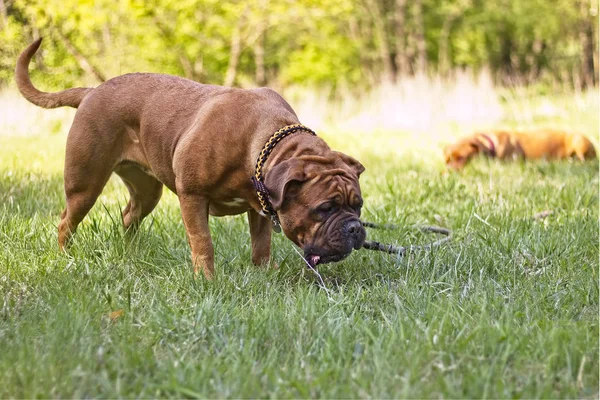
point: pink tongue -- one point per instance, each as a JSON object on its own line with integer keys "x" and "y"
{"x": 315, "y": 260}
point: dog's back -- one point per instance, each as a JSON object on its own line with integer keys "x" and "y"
{"x": 555, "y": 144}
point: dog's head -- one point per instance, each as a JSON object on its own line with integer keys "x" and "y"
{"x": 458, "y": 154}
{"x": 318, "y": 200}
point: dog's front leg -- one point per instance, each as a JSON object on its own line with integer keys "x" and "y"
{"x": 260, "y": 235}
{"x": 194, "y": 210}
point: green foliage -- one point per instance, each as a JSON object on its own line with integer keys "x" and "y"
{"x": 314, "y": 42}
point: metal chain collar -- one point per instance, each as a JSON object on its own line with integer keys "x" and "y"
{"x": 258, "y": 179}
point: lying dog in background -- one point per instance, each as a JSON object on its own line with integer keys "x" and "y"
{"x": 549, "y": 144}
{"x": 222, "y": 150}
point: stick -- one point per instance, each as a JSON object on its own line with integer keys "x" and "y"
{"x": 401, "y": 250}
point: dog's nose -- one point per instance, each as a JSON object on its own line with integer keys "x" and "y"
{"x": 354, "y": 227}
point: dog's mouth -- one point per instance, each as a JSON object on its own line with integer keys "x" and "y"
{"x": 314, "y": 259}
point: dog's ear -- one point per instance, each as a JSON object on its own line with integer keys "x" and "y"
{"x": 477, "y": 145}
{"x": 281, "y": 178}
{"x": 353, "y": 163}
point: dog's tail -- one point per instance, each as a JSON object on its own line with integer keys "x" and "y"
{"x": 70, "y": 97}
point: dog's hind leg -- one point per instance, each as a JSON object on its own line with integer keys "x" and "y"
{"x": 590, "y": 152}
{"x": 582, "y": 148}
{"x": 82, "y": 188}
{"x": 89, "y": 162}
{"x": 144, "y": 190}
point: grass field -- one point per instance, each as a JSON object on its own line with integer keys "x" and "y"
{"x": 508, "y": 309}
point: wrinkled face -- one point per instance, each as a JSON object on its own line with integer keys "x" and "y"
{"x": 323, "y": 218}
{"x": 457, "y": 155}
{"x": 320, "y": 206}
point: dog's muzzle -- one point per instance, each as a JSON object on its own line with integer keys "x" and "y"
{"x": 344, "y": 237}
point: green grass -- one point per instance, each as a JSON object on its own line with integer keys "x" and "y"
{"x": 508, "y": 309}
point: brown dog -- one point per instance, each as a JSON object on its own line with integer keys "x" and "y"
{"x": 548, "y": 144}
{"x": 203, "y": 142}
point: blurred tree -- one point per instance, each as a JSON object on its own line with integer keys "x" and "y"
{"x": 401, "y": 59}
{"x": 588, "y": 17}
{"x": 420, "y": 36}
{"x": 260, "y": 76}
{"x": 3, "y": 14}
{"x": 378, "y": 12}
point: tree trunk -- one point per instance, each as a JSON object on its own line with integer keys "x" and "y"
{"x": 199, "y": 68}
{"x": 186, "y": 65}
{"x": 106, "y": 38}
{"x": 586, "y": 40}
{"x": 359, "y": 31}
{"x": 3, "y": 15}
{"x": 259, "y": 59}
{"x": 454, "y": 13}
{"x": 384, "y": 45}
{"x": 236, "y": 49}
{"x": 535, "y": 59}
{"x": 260, "y": 76}
{"x": 443, "y": 50}
{"x": 420, "y": 36}
{"x": 505, "y": 64}
{"x": 399, "y": 21}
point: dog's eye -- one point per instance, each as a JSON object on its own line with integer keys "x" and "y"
{"x": 326, "y": 208}
{"x": 358, "y": 207}
{"x": 356, "y": 203}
